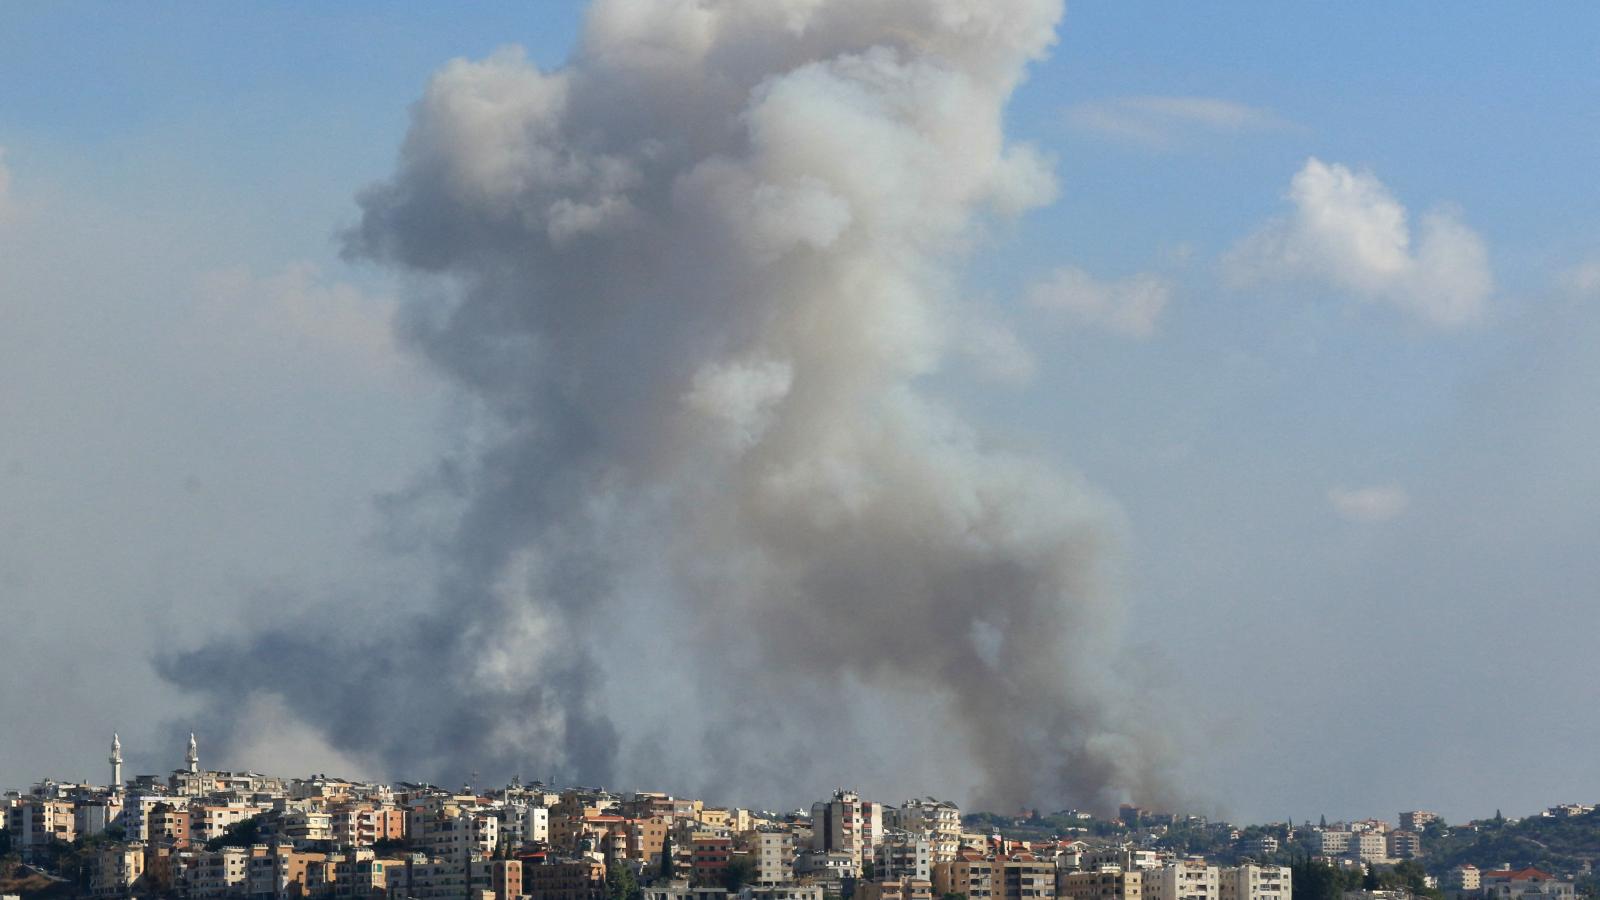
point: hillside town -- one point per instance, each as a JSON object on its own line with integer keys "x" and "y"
{"x": 208, "y": 835}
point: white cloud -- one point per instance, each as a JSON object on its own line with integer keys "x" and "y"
{"x": 1348, "y": 230}
{"x": 1128, "y": 306}
{"x": 1161, "y": 121}
{"x": 1376, "y": 503}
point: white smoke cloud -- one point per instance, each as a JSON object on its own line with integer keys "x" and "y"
{"x": 1349, "y": 231}
{"x": 298, "y": 307}
{"x": 1129, "y": 306}
{"x": 1375, "y": 503}
{"x": 690, "y": 283}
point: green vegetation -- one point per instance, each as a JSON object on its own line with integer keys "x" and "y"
{"x": 242, "y": 833}
{"x": 1560, "y": 845}
{"x": 739, "y": 872}
{"x": 621, "y": 883}
{"x": 666, "y": 858}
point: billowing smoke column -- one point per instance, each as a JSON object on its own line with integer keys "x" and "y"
{"x": 692, "y": 283}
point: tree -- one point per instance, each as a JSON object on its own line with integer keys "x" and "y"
{"x": 621, "y": 883}
{"x": 666, "y": 858}
{"x": 242, "y": 833}
{"x": 738, "y": 873}
{"x": 869, "y": 871}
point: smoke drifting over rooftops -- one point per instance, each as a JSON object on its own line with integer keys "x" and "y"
{"x": 689, "y": 286}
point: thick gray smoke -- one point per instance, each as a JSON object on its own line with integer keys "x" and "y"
{"x": 692, "y": 284}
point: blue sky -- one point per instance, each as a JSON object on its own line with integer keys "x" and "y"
{"x": 204, "y": 400}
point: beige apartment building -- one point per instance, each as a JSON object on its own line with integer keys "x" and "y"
{"x": 1251, "y": 882}
{"x": 969, "y": 873}
{"x": 1024, "y": 877}
{"x": 1189, "y": 879}
{"x": 1109, "y": 883}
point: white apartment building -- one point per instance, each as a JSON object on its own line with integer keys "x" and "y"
{"x": 523, "y": 823}
{"x": 1256, "y": 883}
{"x": 1369, "y": 846}
{"x": 937, "y": 820}
{"x": 1189, "y": 879}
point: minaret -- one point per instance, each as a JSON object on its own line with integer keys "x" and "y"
{"x": 194, "y": 756}
{"x": 116, "y": 764}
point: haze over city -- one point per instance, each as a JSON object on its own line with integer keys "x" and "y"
{"x": 1036, "y": 406}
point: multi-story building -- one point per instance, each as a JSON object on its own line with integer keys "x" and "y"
{"x": 214, "y": 874}
{"x": 364, "y": 823}
{"x": 453, "y": 833}
{"x": 1109, "y": 883}
{"x": 902, "y": 855}
{"x": 895, "y": 889}
{"x": 1403, "y": 844}
{"x": 1330, "y": 841}
{"x": 646, "y": 837}
{"x": 359, "y": 873}
{"x": 211, "y": 820}
{"x": 1416, "y": 819}
{"x": 774, "y": 857}
{"x": 969, "y": 874}
{"x": 113, "y": 870}
{"x": 847, "y": 824}
{"x": 168, "y": 823}
{"x": 1464, "y": 877}
{"x": 1188, "y": 879}
{"x": 1369, "y": 846}
{"x": 937, "y": 820}
{"x": 564, "y": 880}
{"x": 1125, "y": 858}
{"x": 34, "y": 822}
{"x": 826, "y": 865}
{"x": 1024, "y": 877}
{"x": 522, "y": 824}
{"x": 711, "y": 857}
{"x": 1251, "y": 882}
{"x": 1259, "y": 845}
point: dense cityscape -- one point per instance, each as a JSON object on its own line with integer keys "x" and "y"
{"x": 203, "y": 834}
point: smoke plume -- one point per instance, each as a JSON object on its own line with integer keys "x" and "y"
{"x": 708, "y": 511}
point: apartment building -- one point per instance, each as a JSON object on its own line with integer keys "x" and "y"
{"x": 114, "y": 870}
{"x": 1024, "y": 877}
{"x": 895, "y": 889}
{"x": 774, "y": 857}
{"x": 969, "y": 873}
{"x": 1416, "y": 819}
{"x": 847, "y": 824}
{"x": 904, "y": 856}
{"x": 1330, "y": 841}
{"x": 364, "y": 823}
{"x": 937, "y": 820}
{"x": 1369, "y": 846}
{"x": 564, "y": 880}
{"x": 1250, "y": 882}
{"x": 1189, "y": 879}
{"x": 1109, "y": 883}
{"x": 1403, "y": 844}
